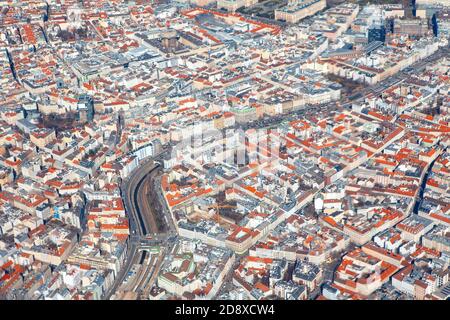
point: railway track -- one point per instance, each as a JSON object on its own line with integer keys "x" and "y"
{"x": 152, "y": 276}
{"x": 144, "y": 275}
{"x": 145, "y": 209}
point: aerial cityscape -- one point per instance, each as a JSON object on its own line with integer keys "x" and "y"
{"x": 224, "y": 150}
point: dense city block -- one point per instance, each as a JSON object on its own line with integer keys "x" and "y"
{"x": 229, "y": 149}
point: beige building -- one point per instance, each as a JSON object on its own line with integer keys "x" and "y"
{"x": 297, "y": 10}
{"x": 233, "y": 5}
{"x": 412, "y": 27}
{"x": 202, "y": 3}
{"x": 427, "y": 2}
{"x": 41, "y": 137}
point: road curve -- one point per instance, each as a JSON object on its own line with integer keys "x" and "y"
{"x": 138, "y": 227}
